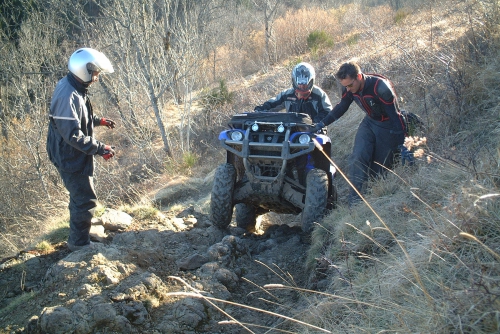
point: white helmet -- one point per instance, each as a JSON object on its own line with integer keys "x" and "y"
{"x": 303, "y": 74}
{"x": 83, "y": 61}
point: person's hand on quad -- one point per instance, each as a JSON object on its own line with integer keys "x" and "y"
{"x": 317, "y": 127}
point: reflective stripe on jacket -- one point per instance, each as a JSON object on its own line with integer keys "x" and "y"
{"x": 70, "y": 145}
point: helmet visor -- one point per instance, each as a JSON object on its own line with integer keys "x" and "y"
{"x": 302, "y": 92}
{"x": 303, "y": 88}
{"x": 93, "y": 67}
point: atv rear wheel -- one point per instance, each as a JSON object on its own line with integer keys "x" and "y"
{"x": 246, "y": 216}
{"x": 316, "y": 198}
{"x": 221, "y": 203}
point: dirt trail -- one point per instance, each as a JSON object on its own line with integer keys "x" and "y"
{"x": 130, "y": 283}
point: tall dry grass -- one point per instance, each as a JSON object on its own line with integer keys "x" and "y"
{"x": 431, "y": 263}
{"x": 289, "y": 38}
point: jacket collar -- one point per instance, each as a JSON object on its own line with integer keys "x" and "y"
{"x": 80, "y": 87}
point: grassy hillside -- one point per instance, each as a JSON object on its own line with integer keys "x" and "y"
{"x": 422, "y": 254}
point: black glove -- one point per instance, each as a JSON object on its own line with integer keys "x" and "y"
{"x": 317, "y": 127}
{"x": 406, "y": 156}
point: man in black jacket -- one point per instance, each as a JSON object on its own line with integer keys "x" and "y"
{"x": 70, "y": 143}
{"x": 380, "y": 132}
{"x": 304, "y": 96}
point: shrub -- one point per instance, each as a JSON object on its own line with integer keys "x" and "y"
{"x": 44, "y": 246}
{"x": 219, "y": 96}
{"x": 216, "y": 99}
{"x": 318, "y": 39}
{"x": 353, "y": 39}
{"x": 295, "y": 26}
{"x": 400, "y": 15}
{"x": 190, "y": 159}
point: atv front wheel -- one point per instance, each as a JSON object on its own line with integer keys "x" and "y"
{"x": 246, "y": 216}
{"x": 221, "y": 203}
{"x": 316, "y": 198}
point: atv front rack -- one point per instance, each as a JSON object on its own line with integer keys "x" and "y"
{"x": 263, "y": 144}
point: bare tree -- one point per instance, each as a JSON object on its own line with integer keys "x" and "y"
{"x": 137, "y": 54}
{"x": 269, "y": 9}
{"x": 31, "y": 65}
{"x": 157, "y": 48}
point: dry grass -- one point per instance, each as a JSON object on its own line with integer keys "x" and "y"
{"x": 458, "y": 273}
{"x": 444, "y": 210}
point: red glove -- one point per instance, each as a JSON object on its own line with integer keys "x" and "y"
{"x": 107, "y": 122}
{"x": 108, "y": 152}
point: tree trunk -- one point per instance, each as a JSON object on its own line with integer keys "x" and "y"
{"x": 3, "y": 120}
{"x": 154, "y": 103}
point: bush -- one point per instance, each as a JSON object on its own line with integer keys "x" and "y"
{"x": 318, "y": 39}
{"x": 400, "y": 15}
{"x": 219, "y": 96}
{"x": 190, "y": 159}
{"x": 216, "y": 99}
{"x": 353, "y": 39}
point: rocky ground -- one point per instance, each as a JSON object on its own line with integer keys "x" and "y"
{"x": 175, "y": 273}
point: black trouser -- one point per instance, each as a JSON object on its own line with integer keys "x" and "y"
{"x": 373, "y": 143}
{"x": 82, "y": 203}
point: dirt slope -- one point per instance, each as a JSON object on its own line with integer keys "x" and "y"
{"x": 127, "y": 283}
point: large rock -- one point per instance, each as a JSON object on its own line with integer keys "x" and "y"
{"x": 57, "y": 319}
{"x": 115, "y": 220}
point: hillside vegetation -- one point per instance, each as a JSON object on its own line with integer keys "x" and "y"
{"x": 422, "y": 254}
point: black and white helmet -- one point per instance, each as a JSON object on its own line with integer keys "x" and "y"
{"x": 303, "y": 76}
{"x": 85, "y": 60}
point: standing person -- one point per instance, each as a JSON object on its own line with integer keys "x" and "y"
{"x": 380, "y": 132}
{"x": 70, "y": 143}
{"x": 304, "y": 96}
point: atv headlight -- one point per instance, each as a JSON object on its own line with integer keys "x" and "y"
{"x": 255, "y": 126}
{"x": 236, "y": 136}
{"x": 304, "y": 138}
{"x": 281, "y": 128}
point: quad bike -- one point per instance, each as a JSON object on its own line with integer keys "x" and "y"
{"x": 272, "y": 165}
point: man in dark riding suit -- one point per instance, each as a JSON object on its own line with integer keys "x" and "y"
{"x": 71, "y": 145}
{"x": 381, "y": 131}
{"x": 304, "y": 97}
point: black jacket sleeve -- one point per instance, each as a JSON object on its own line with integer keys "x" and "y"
{"x": 340, "y": 109}
{"x": 274, "y": 104}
